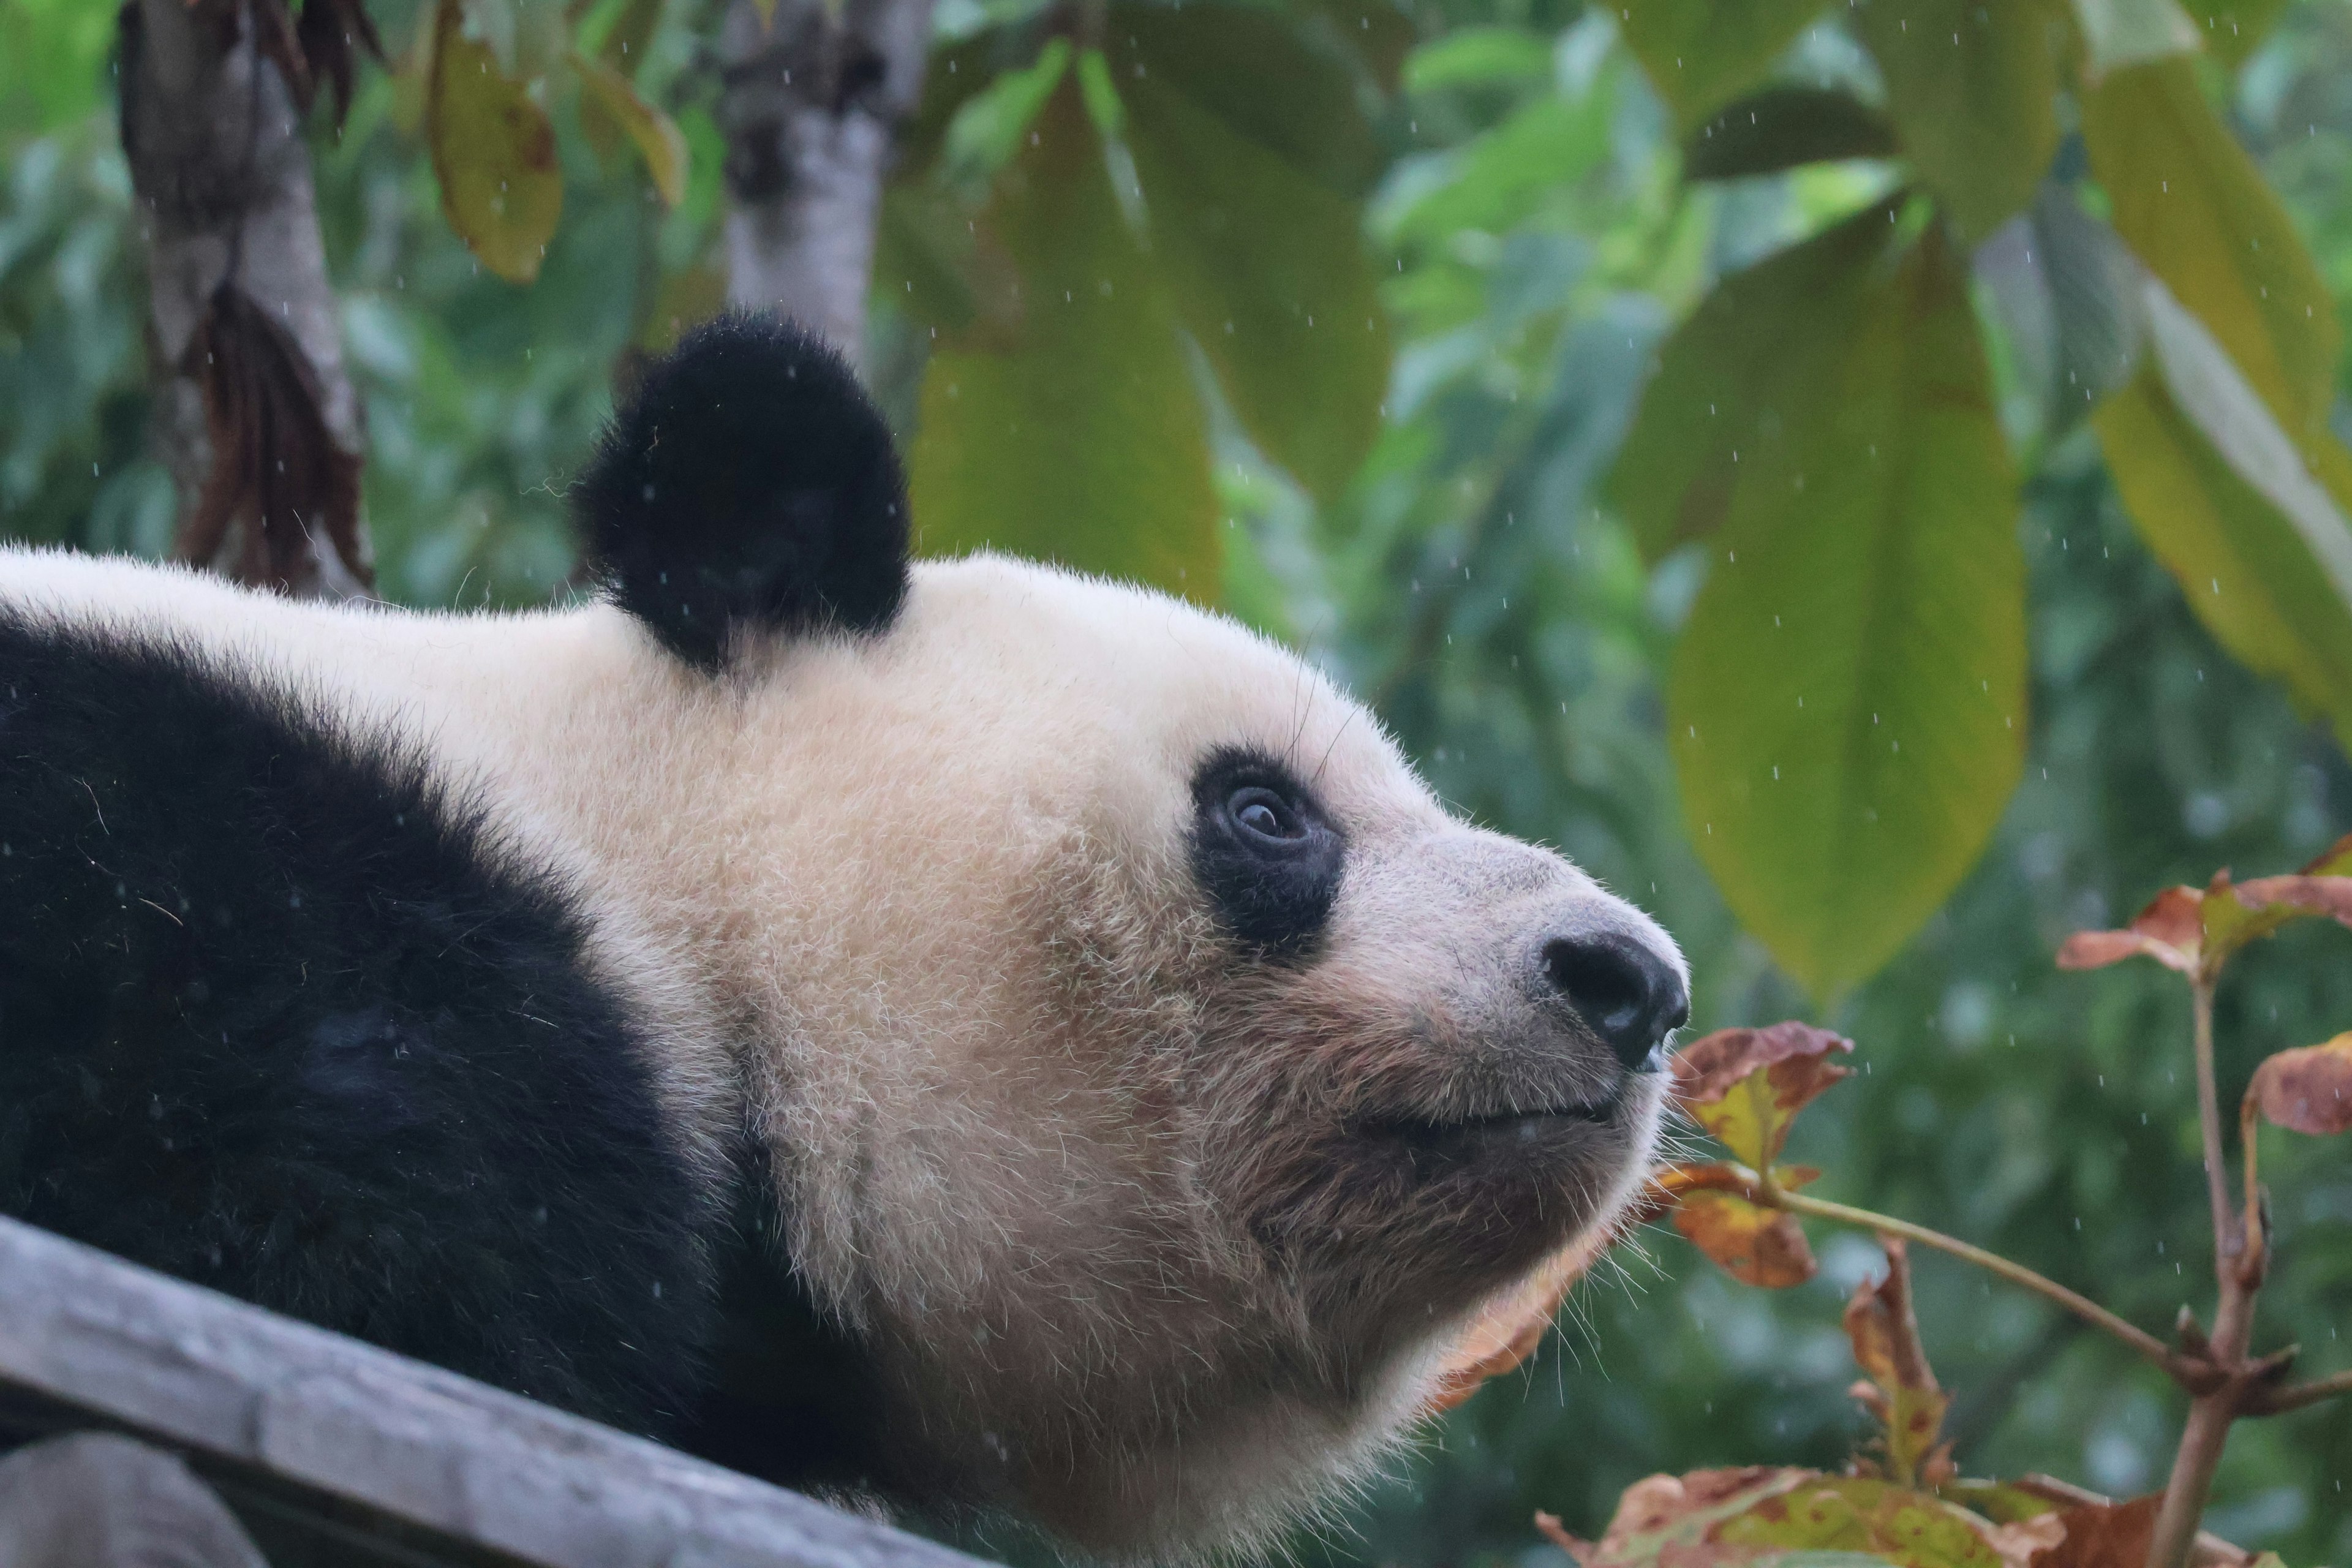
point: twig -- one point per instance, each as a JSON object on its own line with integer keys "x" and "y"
{"x": 2187, "y": 1374}
{"x": 2273, "y": 1402}
{"x": 2237, "y": 1257}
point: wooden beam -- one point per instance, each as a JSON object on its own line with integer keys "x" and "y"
{"x": 303, "y": 1411}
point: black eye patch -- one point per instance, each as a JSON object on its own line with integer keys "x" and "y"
{"x": 1264, "y": 852}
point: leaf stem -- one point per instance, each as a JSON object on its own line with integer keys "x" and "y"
{"x": 2083, "y": 1307}
{"x": 2227, "y": 1241}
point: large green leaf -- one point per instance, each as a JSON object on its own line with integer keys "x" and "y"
{"x": 1847, "y": 702}
{"x": 2193, "y": 206}
{"x": 2121, "y": 33}
{"x": 1733, "y": 378}
{"x": 1269, "y": 270}
{"x": 1076, "y": 435}
{"x": 1701, "y": 54}
{"x": 2262, "y": 549}
{"x": 2232, "y": 28}
{"x": 1971, "y": 86}
{"x": 1508, "y": 173}
{"x": 1258, "y": 73}
{"x": 1782, "y": 127}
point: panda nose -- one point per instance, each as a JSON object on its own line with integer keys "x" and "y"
{"x": 1624, "y": 992}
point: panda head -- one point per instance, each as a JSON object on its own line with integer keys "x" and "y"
{"x": 1155, "y": 1077}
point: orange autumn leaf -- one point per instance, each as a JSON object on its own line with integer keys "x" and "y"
{"x": 1902, "y": 1390}
{"x": 1746, "y": 1086}
{"x": 1755, "y": 1245}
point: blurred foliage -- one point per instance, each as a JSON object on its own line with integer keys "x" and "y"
{"x": 1527, "y": 246}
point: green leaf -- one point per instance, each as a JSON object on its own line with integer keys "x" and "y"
{"x": 657, "y": 138}
{"x": 624, "y": 45}
{"x": 2095, "y": 287}
{"x": 494, "y": 152}
{"x": 1972, "y": 86}
{"x": 1104, "y": 106}
{"x": 1847, "y": 702}
{"x": 1259, "y": 74}
{"x": 988, "y": 128}
{"x": 2118, "y": 34}
{"x": 1269, "y": 268}
{"x": 931, "y": 260}
{"x": 1479, "y": 57}
{"x": 2246, "y": 565}
{"x": 2232, "y": 28}
{"x": 1080, "y": 439}
{"x": 1732, "y": 375}
{"x": 1511, "y": 171}
{"x": 2197, "y": 212}
{"x": 1702, "y": 53}
{"x": 1855, "y": 1513}
{"x": 1782, "y": 127}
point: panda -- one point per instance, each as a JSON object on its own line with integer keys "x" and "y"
{"x": 959, "y": 1034}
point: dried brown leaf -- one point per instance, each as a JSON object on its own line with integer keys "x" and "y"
{"x": 332, "y": 33}
{"x": 2102, "y": 1535}
{"x": 277, "y": 468}
{"x": 2307, "y": 1089}
{"x": 1910, "y": 1407}
{"x": 1755, "y": 1245}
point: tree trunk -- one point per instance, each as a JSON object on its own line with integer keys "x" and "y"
{"x": 255, "y": 415}
{"x": 811, "y": 101}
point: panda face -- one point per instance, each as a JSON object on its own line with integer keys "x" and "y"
{"x": 1161, "y": 1074}
{"x": 1155, "y": 1077}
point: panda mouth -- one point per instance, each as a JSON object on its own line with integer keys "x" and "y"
{"x": 1503, "y": 1128}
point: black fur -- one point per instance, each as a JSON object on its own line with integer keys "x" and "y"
{"x": 275, "y": 1018}
{"x": 748, "y": 483}
{"x": 1274, "y": 896}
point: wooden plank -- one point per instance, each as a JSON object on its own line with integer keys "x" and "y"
{"x": 256, "y": 1391}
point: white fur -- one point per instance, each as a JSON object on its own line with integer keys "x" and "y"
{"x": 924, "y": 900}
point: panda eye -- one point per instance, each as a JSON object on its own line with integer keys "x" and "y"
{"x": 1262, "y": 814}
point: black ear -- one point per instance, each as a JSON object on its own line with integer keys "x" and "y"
{"x": 748, "y": 483}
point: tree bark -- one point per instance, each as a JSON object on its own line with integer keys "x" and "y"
{"x": 809, "y": 104}
{"x": 242, "y": 333}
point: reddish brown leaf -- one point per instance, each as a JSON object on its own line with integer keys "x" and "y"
{"x": 1754, "y": 1245}
{"x": 1910, "y": 1407}
{"x": 276, "y": 466}
{"x": 2308, "y": 1089}
{"x": 1746, "y": 1086}
{"x": 2171, "y": 929}
{"x": 2104, "y": 1535}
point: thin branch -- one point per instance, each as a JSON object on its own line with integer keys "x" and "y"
{"x": 2273, "y": 1403}
{"x": 2183, "y": 1371}
{"x": 2238, "y": 1260}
